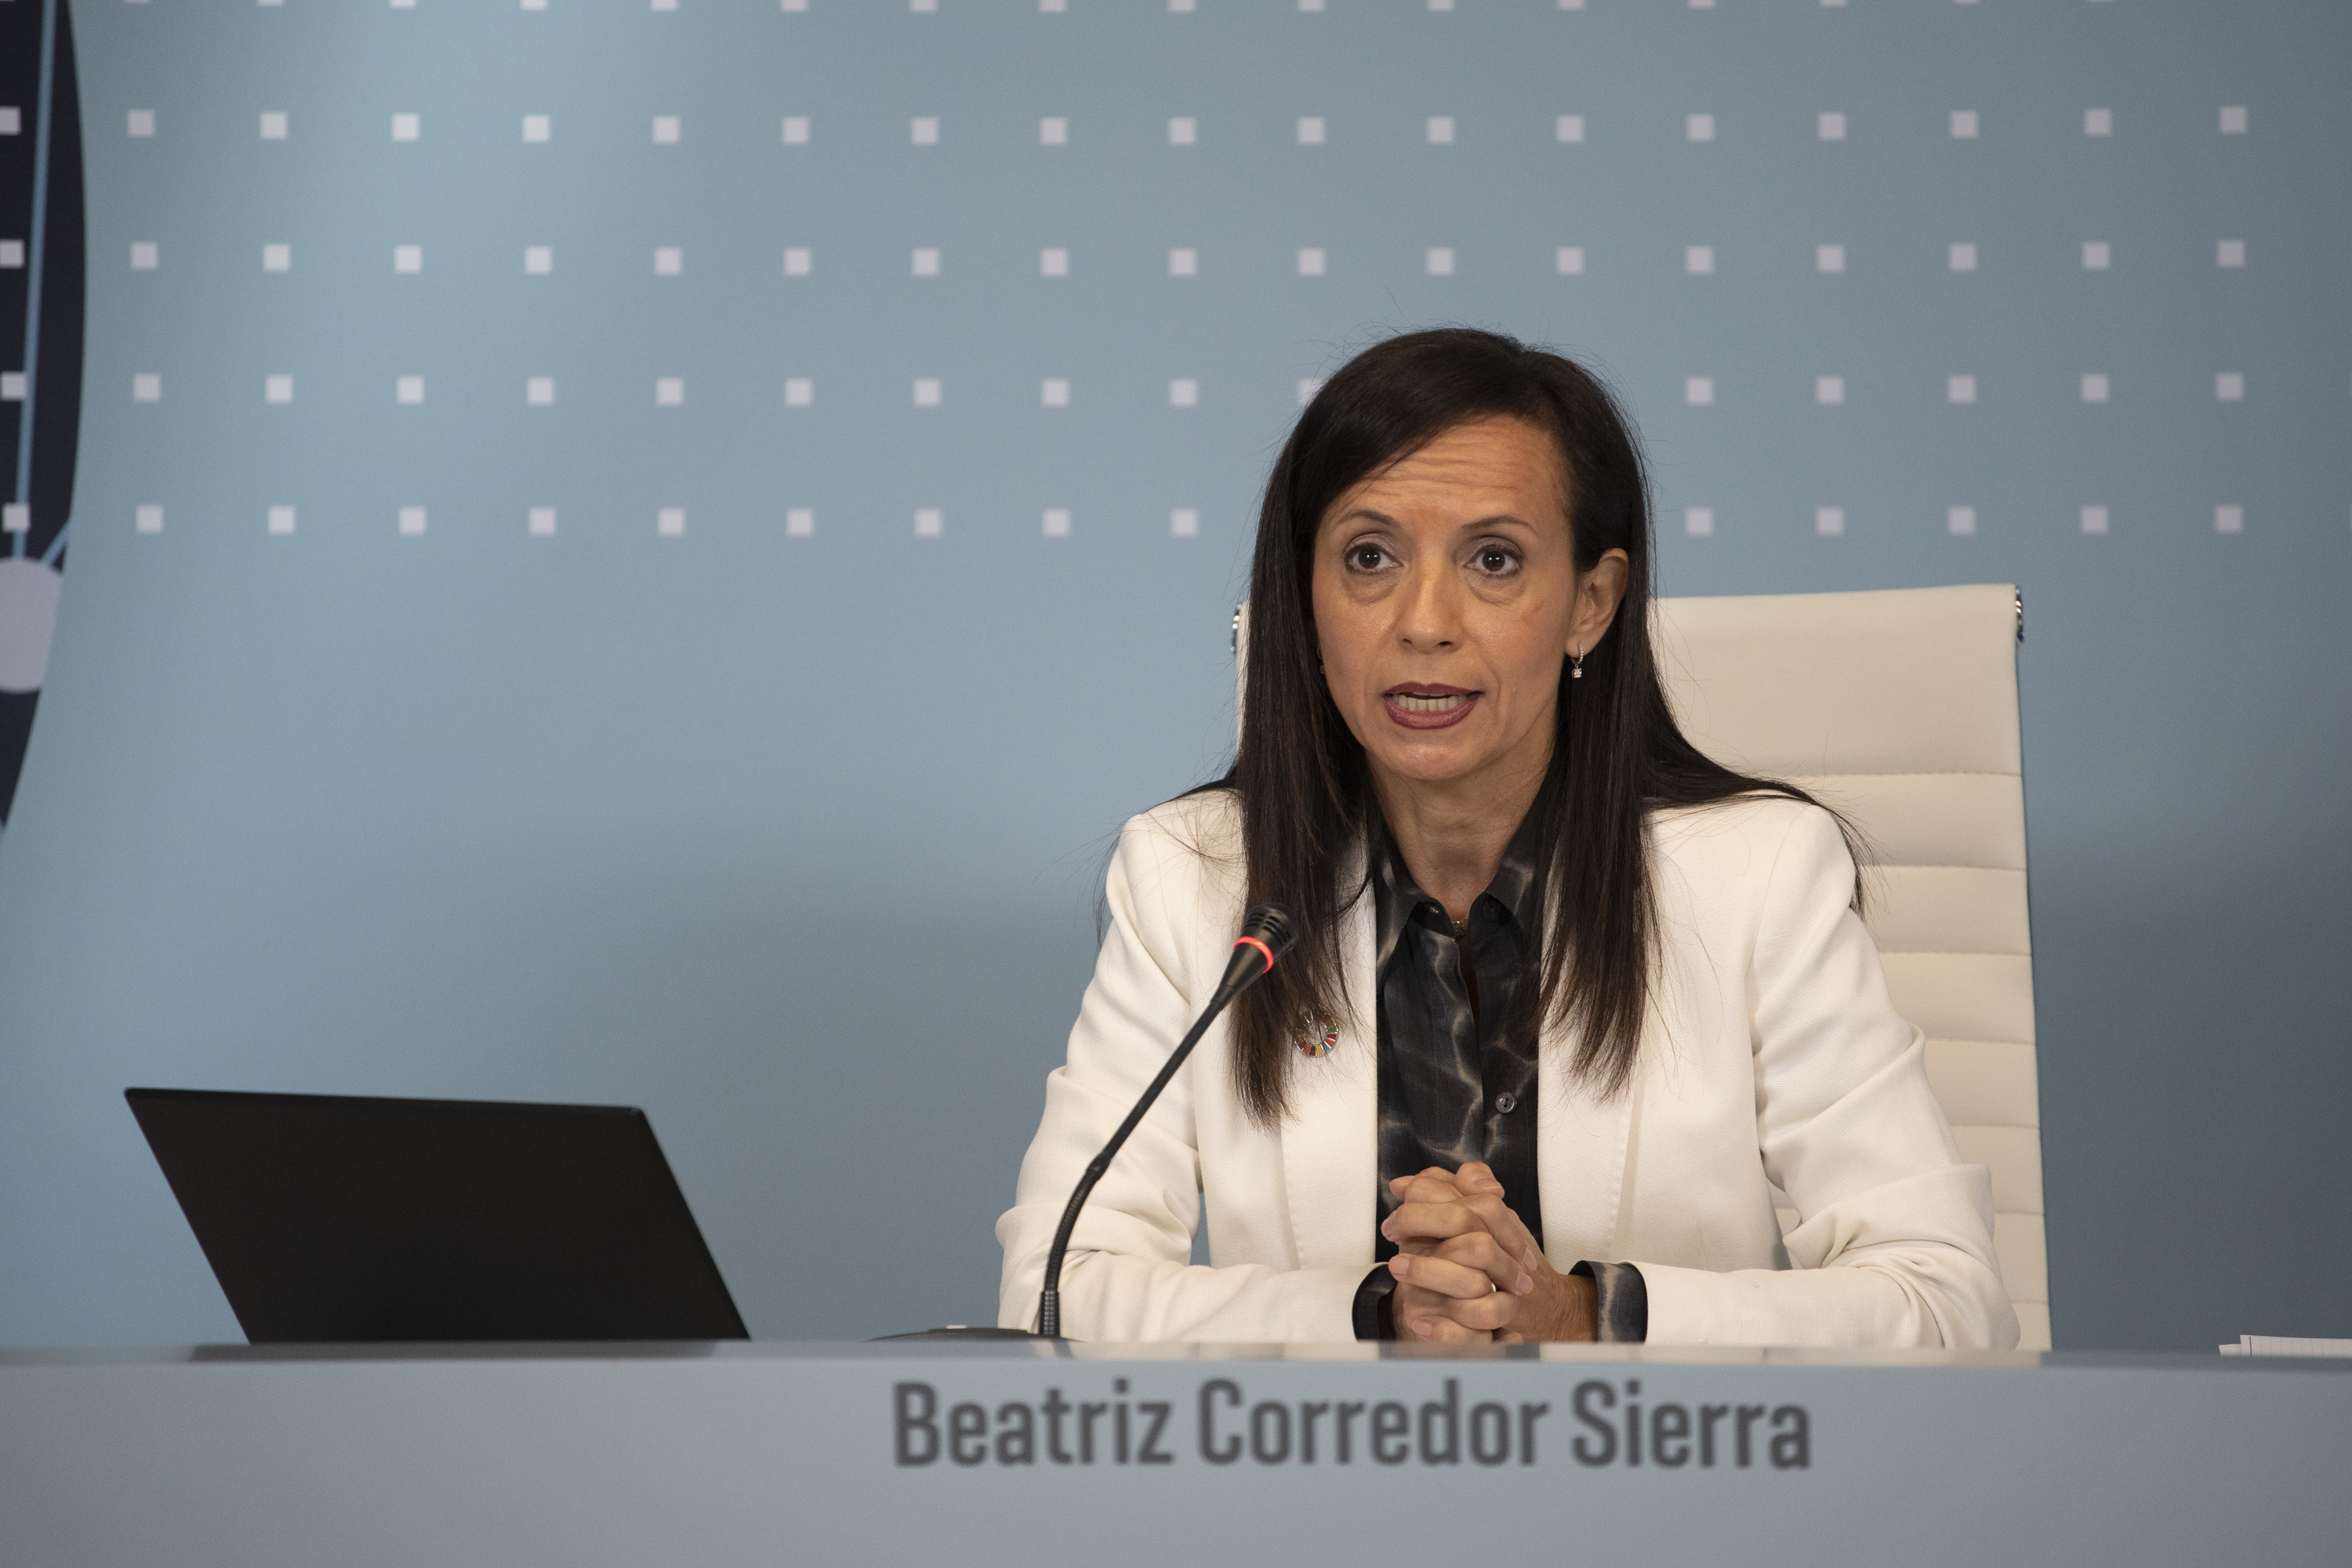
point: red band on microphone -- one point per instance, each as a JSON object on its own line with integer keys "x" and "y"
{"x": 1252, "y": 941}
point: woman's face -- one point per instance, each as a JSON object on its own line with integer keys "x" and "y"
{"x": 1445, "y": 595}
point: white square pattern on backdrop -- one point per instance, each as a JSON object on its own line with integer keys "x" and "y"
{"x": 1274, "y": 285}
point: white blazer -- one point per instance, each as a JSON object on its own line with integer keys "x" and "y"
{"x": 1771, "y": 1056}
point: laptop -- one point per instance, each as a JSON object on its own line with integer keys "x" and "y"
{"x": 339, "y": 1219}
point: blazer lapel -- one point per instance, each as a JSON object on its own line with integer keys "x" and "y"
{"x": 1330, "y": 1143}
{"x": 1586, "y": 1148}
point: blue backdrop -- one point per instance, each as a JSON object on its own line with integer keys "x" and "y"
{"x": 640, "y": 552}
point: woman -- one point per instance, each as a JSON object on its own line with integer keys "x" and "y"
{"x": 1571, "y": 998}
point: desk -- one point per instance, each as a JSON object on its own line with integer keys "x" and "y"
{"x": 770, "y": 1454}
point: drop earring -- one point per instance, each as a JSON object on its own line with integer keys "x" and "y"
{"x": 1576, "y": 667}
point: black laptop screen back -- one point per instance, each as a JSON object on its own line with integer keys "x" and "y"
{"x": 331, "y": 1219}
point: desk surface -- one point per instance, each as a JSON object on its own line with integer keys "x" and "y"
{"x": 739, "y": 1453}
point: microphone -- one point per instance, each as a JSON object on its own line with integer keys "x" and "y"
{"x": 1268, "y": 931}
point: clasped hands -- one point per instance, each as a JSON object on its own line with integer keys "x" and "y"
{"x": 1467, "y": 1271}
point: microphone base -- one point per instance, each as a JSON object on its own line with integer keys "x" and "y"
{"x": 965, "y": 1336}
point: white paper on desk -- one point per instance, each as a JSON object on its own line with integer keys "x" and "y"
{"x": 2282, "y": 1344}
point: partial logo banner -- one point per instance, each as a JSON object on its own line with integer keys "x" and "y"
{"x": 41, "y": 282}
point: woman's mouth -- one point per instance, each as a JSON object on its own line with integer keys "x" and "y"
{"x": 1429, "y": 707}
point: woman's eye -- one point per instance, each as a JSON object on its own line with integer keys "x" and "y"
{"x": 1366, "y": 557}
{"x": 1495, "y": 560}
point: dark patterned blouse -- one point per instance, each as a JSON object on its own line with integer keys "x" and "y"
{"x": 1457, "y": 1069}
{"x": 1457, "y": 1059}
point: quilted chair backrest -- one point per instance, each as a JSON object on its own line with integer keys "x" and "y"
{"x": 1899, "y": 709}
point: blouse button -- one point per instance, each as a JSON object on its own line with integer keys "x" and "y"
{"x": 1507, "y": 1102}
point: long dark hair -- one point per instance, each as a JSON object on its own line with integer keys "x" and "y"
{"x": 1300, "y": 777}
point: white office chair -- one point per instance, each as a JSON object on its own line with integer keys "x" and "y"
{"x": 1900, "y": 709}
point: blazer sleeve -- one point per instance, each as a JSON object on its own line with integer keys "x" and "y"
{"x": 1129, "y": 1277}
{"x": 1895, "y": 1241}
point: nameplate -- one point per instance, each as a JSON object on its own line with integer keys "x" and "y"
{"x": 1219, "y": 1424}
{"x": 615, "y": 1456}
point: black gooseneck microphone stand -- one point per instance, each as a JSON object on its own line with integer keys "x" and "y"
{"x": 1268, "y": 931}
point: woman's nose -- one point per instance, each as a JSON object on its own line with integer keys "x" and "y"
{"x": 1430, "y": 615}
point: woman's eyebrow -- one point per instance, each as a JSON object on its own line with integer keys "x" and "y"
{"x": 1366, "y": 513}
